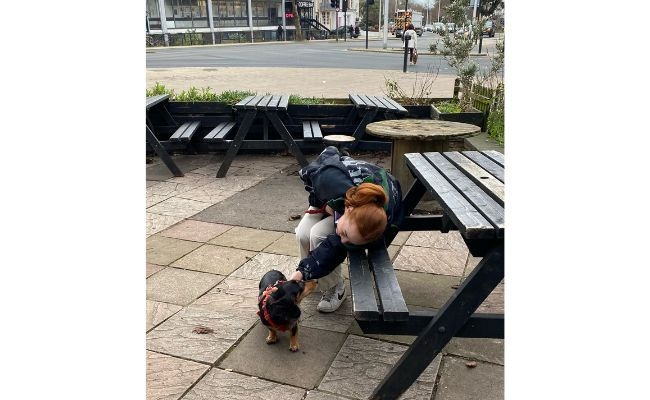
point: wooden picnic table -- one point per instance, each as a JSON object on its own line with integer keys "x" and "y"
{"x": 269, "y": 107}
{"x": 367, "y": 108}
{"x": 469, "y": 186}
{"x": 410, "y": 135}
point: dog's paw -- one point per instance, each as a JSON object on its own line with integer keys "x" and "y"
{"x": 294, "y": 348}
{"x": 271, "y": 340}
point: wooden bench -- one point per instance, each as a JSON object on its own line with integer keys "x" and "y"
{"x": 185, "y": 132}
{"x": 311, "y": 131}
{"x": 376, "y": 295}
{"x": 219, "y": 133}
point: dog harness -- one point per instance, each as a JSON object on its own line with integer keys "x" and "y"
{"x": 263, "y": 299}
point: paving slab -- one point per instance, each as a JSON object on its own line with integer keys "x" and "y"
{"x": 362, "y": 363}
{"x": 232, "y": 295}
{"x": 214, "y": 259}
{"x": 483, "y": 349}
{"x": 179, "y": 286}
{"x": 437, "y": 240}
{"x": 318, "y": 395}
{"x": 286, "y": 244}
{"x": 158, "y": 311}
{"x": 163, "y": 250}
{"x": 224, "y": 385}
{"x": 261, "y": 263}
{"x": 269, "y": 205}
{"x": 431, "y": 261}
{"x": 169, "y": 377}
{"x": 246, "y": 238}
{"x": 153, "y": 268}
{"x": 494, "y": 302}
{"x": 457, "y": 381}
{"x": 156, "y": 223}
{"x": 175, "y": 336}
{"x": 426, "y": 290}
{"x": 304, "y": 368}
{"x": 178, "y": 207}
{"x": 338, "y": 321}
{"x": 195, "y": 231}
{"x": 186, "y": 162}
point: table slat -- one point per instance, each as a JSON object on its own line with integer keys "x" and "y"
{"x": 487, "y": 164}
{"x": 483, "y": 202}
{"x": 153, "y": 100}
{"x": 364, "y": 304}
{"x": 357, "y": 101}
{"x": 491, "y": 185}
{"x": 496, "y": 157}
{"x": 264, "y": 104}
{"x": 399, "y": 107}
{"x": 392, "y": 302}
{"x": 464, "y": 215}
{"x": 284, "y": 102}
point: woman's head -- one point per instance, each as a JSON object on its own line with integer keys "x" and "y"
{"x": 364, "y": 220}
{"x": 410, "y": 26}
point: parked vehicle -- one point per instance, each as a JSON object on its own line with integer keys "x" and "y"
{"x": 438, "y": 27}
{"x": 428, "y": 28}
{"x": 451, "y": 27}
{"x": 488, "y": 28}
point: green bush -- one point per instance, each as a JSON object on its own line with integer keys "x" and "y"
{"x": 449, "y": 107}
{"x": 495, "y": 125}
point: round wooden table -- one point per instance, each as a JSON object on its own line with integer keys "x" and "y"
{"x": 419, "y": 136}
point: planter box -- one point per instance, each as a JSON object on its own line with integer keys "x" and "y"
{"x": 475, "y": 117}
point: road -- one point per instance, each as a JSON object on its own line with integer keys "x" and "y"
{"x": 348, "y": 54}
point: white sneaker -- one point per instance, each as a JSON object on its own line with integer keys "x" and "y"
{"x": 332, "y": 298}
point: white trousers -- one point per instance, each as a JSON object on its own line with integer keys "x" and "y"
{"x": 310, "y": 232}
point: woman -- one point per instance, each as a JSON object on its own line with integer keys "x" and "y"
{"x": 352, "y": 204}
{"x": 413, "y": 42}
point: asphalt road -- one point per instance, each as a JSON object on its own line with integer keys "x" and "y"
{"x": 348, "y": 54}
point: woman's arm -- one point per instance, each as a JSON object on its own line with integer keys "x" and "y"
{"x": 323, "y": 259}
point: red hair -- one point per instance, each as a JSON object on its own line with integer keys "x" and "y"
{"x": 368, "y": 213}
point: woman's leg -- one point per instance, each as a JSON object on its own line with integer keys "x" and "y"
{"x": 303, "y": 231}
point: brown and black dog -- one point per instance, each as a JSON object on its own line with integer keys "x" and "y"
{"x": 278, "y": 303}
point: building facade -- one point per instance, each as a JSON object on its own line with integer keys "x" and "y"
{"x": 182, "y": 22}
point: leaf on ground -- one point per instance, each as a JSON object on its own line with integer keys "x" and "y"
{"x": 471, "y": 364}
{"x": 202, "y": 330}
{"x": 294, "y": 217}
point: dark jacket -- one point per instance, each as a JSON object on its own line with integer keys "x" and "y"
{"x": 327, "y": 179}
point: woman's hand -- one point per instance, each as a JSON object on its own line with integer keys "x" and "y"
{"x": 296, "y": 276}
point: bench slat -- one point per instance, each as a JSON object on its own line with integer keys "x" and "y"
{"x": 357, "y": 101}
{"x": 307, "y": 130}
{"x": 185, "y": 132}
{"x": 364, "y": 304}
{"x": 153, "y": 100}
{"x": 378, "y": 104}
{"x": 315, "y": 130}
{"x": 219, "y": 132}
{"x": 392, "y": 302}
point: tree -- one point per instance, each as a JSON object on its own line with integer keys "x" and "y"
{"x": 296, "y": 21}
{"x": 457, "y": 49}
{"x": 488, "y": 7}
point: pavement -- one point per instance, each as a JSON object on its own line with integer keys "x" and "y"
{"x": 209, "y": 240}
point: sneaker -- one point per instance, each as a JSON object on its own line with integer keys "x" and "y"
{"x": 332, "y": 299}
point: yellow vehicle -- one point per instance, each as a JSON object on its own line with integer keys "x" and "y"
{"x": 402, "y": 18}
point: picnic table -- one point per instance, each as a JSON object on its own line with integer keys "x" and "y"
{"x": 155, "y": 102}
{"x": 367, "y": 108}
{"x": 469, "y": 186}
{"x": 268, "y": 107}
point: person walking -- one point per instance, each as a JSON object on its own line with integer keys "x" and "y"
{"x": 352, "y": 204}
{"x": 279, "y": 32}
{"x": 413, "y": 42}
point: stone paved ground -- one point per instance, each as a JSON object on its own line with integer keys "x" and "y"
{"x": 209, "y": 241}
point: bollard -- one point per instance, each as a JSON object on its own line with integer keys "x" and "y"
{"x": 406, "y": 50}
